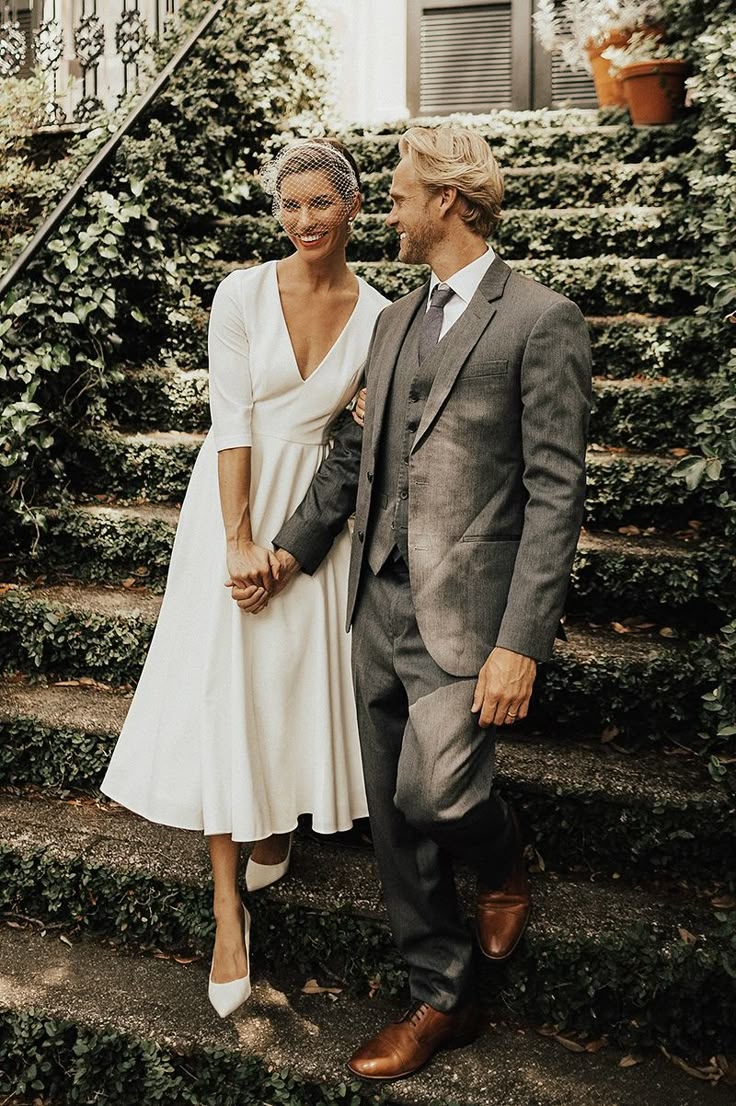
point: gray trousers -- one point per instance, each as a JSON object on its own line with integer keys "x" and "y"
{"x": 429, "y": 773}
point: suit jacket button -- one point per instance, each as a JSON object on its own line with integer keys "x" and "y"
{"x": 361, "y": 536}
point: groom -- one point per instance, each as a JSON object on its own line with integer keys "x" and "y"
{"x": 470, "y": 487}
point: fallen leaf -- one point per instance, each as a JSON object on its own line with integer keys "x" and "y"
{"x": 141, "y": 571}
{"x": 571, "y": 1046}
{"x": 724, "y": 902}
{"x": 14, "y": 925}
{"x": 65, "y": 683}
{"x": 629, "y": 531}
{"x": 630, "y": 1061}
{"x": 688, "y": 937}
{"x": 312, "y": 987}
{"x": 678, "y": 451}
{"x": 86, "y": 681}
{"x": 547, "y": 1031}
{"x": 620, "y": 629}
{"x": 609, "y": 733}
{"x": 186, "y": 959}
{"x": 694, "y": 523}
{"x": 65, "y": 940}
{"x": 130, "y": 582}
{"x": 374, "y": 986}
{"x": 697, "y": 1073}
{"x": 596, "y": 1046}
{"x": 667, "y": 631}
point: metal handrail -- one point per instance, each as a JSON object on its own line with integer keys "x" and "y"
{"x": 52, "y": 221}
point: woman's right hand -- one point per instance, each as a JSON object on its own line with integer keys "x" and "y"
{"x": 248, "y": 563}
{"x": 359, "y": 409}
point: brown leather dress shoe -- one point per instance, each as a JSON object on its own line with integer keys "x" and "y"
{"x": 501, "y": 916}
{"x": 406, "y": 1045}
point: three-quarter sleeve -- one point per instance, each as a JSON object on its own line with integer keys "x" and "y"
{"x": 231, "y": 396}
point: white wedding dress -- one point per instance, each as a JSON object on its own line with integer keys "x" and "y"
{"x": 242, "y": 722}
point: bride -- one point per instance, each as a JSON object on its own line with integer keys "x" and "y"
{"x": 244, "y": 716}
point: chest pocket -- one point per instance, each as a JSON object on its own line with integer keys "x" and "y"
{"x": 481, "y": 370}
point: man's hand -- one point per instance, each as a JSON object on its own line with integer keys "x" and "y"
{"x": 288, "y": 567}
{"x": 504, "y": 688}
{"x": 359, "y": 409}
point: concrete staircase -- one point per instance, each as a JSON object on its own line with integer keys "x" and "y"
{"x": 632, "y": 842}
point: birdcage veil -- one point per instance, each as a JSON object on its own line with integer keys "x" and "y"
{"x": 312, "y": 176}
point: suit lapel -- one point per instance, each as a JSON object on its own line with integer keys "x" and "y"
{"x": 458, "y": 343}
{"x": 402, "y": 318}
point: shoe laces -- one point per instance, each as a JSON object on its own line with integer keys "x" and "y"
{"x": 414, "y": 1013}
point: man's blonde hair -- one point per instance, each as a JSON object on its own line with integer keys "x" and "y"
{"x": 455, "y": 157}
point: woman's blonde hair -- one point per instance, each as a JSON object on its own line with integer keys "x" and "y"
{"x": 455, "y": 157}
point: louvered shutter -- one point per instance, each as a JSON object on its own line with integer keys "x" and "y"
{"x": 465, "y": 58}
{"x": 568, "y": 87}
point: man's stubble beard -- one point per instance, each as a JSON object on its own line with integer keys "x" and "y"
{"x": 417, "y": 247}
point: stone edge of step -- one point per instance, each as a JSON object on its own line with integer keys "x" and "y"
{"x": 100, "y": 988}
{"x": 324, "y": 878}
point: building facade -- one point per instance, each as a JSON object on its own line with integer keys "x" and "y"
{"x": 433, "y": 57}
{"x": 395, "y": 58}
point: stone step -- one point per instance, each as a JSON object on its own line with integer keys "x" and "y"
{"x": 655, "y": 346}
{"x": 626, "y": 230}
{"x": 623, "y": 487}
{"x": 110, "y": 873}
{"x": 159, "y": 1030}
{"x": 604, "y": 182}
{"x": 641, "y": 413}
{"x": 588, "y": 808}
{"x": 596, "y": 679}
{"x": 599, "y": 285}
{"x": 534, "y": 145}
{"x": 690, "y": 581}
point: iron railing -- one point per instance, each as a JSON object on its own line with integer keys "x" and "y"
{"x": 102, "y": 157}
{"x": 89, "y": 51}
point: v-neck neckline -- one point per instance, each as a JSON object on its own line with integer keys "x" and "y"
{"x": 335, "y": 344}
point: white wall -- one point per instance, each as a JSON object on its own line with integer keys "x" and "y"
{"x": 370, "y": 39}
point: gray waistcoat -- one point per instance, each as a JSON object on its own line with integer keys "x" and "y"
{"x": 388, "y": 524}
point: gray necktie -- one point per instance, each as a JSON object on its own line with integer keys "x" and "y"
{"x": 429, "y": 334}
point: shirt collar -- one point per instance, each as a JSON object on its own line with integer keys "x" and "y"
{"x": 464, "y": 282}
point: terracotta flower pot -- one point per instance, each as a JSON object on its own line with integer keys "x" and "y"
{"x": 608, "y": 89}
{"x": 655, "y": 90}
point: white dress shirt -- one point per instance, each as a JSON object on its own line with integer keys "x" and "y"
{"x": 464, "y": 284}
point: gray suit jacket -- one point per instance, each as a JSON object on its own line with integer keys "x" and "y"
{"x": 497, "y": 472}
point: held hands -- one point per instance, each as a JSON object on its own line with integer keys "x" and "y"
{"x": 504, "y": 688}
{"x": 359, "y": 409}
{"x": 257, "y": 574}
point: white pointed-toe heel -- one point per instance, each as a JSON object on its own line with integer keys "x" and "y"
{"x": 227, "y": 997}
{"x": 258, "y": 876}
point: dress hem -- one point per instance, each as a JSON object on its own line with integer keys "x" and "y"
{"x": 186, "y": 824}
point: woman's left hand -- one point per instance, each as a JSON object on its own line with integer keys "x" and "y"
{"x": 359, "y": 409}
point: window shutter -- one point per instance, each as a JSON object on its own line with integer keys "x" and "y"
{"x": 568, "y": 87}
{"x": 465, "y": 58}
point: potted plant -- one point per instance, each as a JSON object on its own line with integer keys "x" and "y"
{"x": 653, "y": 79}
{"x": 581, "y": 30}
